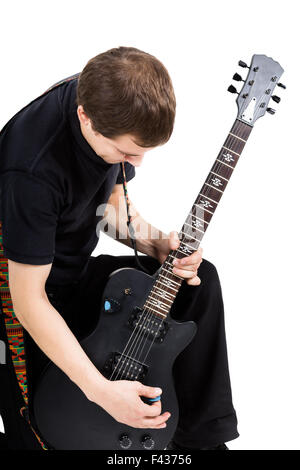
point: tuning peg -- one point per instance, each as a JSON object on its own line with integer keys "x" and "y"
{"x": 271, "y": 110}
{"x": 281, "y": 85}
{"x": 232, "y": 89}
{"x": 276, "y": 98}
{"x": 237, "y": 77}
{"x": 243, "y": 64}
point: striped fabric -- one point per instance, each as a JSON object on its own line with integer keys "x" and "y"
{"x": 15, "y": 335}
{"x": 14, "y": 329}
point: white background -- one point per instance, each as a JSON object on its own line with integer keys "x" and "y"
{"x": 253, "y": 239}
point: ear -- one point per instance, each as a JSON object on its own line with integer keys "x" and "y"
{"x": 83, "y": 118}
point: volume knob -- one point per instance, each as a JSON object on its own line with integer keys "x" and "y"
{"x": 125, "y": 441}
{"x": 148, "y": 442}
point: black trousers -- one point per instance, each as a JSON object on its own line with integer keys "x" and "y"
{"x": 207, "y": 416}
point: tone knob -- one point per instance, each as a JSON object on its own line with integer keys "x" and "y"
{"x": 125, "y": 441}
{"x": 148, "y": 442}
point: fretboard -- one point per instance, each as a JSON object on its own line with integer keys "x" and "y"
{"x": 167, "y": 284}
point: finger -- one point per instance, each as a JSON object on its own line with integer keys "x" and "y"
{"x": 174, "y": 240}
{"x": 191, "y": 267}
{"x": 195, "y": 281}
{"x": 153, "y": 422}
{"x": 163, "y": 425}
{"x": 149, "y": 392}
{"x": 185, "y": 273}
{"x": 152, "y": 410}
{"x": 194, "y": 258}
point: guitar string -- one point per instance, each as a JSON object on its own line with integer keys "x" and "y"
{"x": 149, "y": 312}
{"x": 215, "y": 167}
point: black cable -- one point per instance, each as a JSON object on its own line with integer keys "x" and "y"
{"x": 129, "y": 224}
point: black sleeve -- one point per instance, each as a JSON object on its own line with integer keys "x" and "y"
{"x": 29, "y": 213}
{"x": 129, "y": 171}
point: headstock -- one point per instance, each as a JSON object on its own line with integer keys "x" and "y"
{"x": 263, "y": 76}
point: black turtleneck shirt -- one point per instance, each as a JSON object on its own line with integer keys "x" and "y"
{"x": 51, "y": 184}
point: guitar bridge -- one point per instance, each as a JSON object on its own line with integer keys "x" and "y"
{"x": 148, "y": 324}
{"x": 124, "y": 367}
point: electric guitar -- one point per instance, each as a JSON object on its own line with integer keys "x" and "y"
{"x": 136, "y": 338}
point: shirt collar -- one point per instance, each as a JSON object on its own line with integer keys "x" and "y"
{"x": 76, "y": 131}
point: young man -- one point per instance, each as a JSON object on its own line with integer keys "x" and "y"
{"x": 60, "y": 159}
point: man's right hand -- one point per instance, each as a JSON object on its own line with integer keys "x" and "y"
{"x": 122, "y": 400}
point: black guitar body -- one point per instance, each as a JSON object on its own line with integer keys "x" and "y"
{"x": 66, "y": 419}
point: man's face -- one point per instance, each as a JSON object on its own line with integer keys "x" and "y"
{"x": 112, "y": 150}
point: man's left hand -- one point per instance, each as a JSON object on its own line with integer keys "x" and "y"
{"x": 186, "y": 267}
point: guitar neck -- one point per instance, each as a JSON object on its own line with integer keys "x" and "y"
{"x": 167, "y": 284}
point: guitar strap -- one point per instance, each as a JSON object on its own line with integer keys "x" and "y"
{"x": 15, "y": 337}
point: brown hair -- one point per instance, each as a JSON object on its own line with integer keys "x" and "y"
{"x": 128, "y": 91}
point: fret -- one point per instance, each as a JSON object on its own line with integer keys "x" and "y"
{"x": 217, "y": 183}
{"x": 165, "y": 293}
{"x": 159, "y": 302}
{"x": 198, "y": 218}
{"x": 161, "y": 315}
{"x": 189, "y": 252}
{"x": 216, "y": 189}
{"x": 186, "y": 244}
{"x": 207, "y": 205}
{"x": 241, "y": 129}
{"x": 165, "y": 284}
{"x": 212, "y": 193}
{"x": 218, "y": 174}
{"x": 190, "y": 231}
{"x": 194, "y": 228}
{"x": 230, "y": 150}
{"x": 237, "y": 137}
{"x": 189, "y": 244}
{"x": 171, "y": 280}
{"x": 225, "y": 164}
{"x": 234, "y": 144}
{"x": 208, "y": 214}
{"x": 170, "y": 264}
{"x": 223, "y": 171}
{"x": 195, "y": 223}
{"x": 156, "y": 305}
{"x": 212, "y": 200}
{"x": 205, "y": 210}
{"x": 173, "y": 274}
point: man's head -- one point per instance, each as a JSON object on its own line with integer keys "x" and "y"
{"x": 126, "y": 104}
